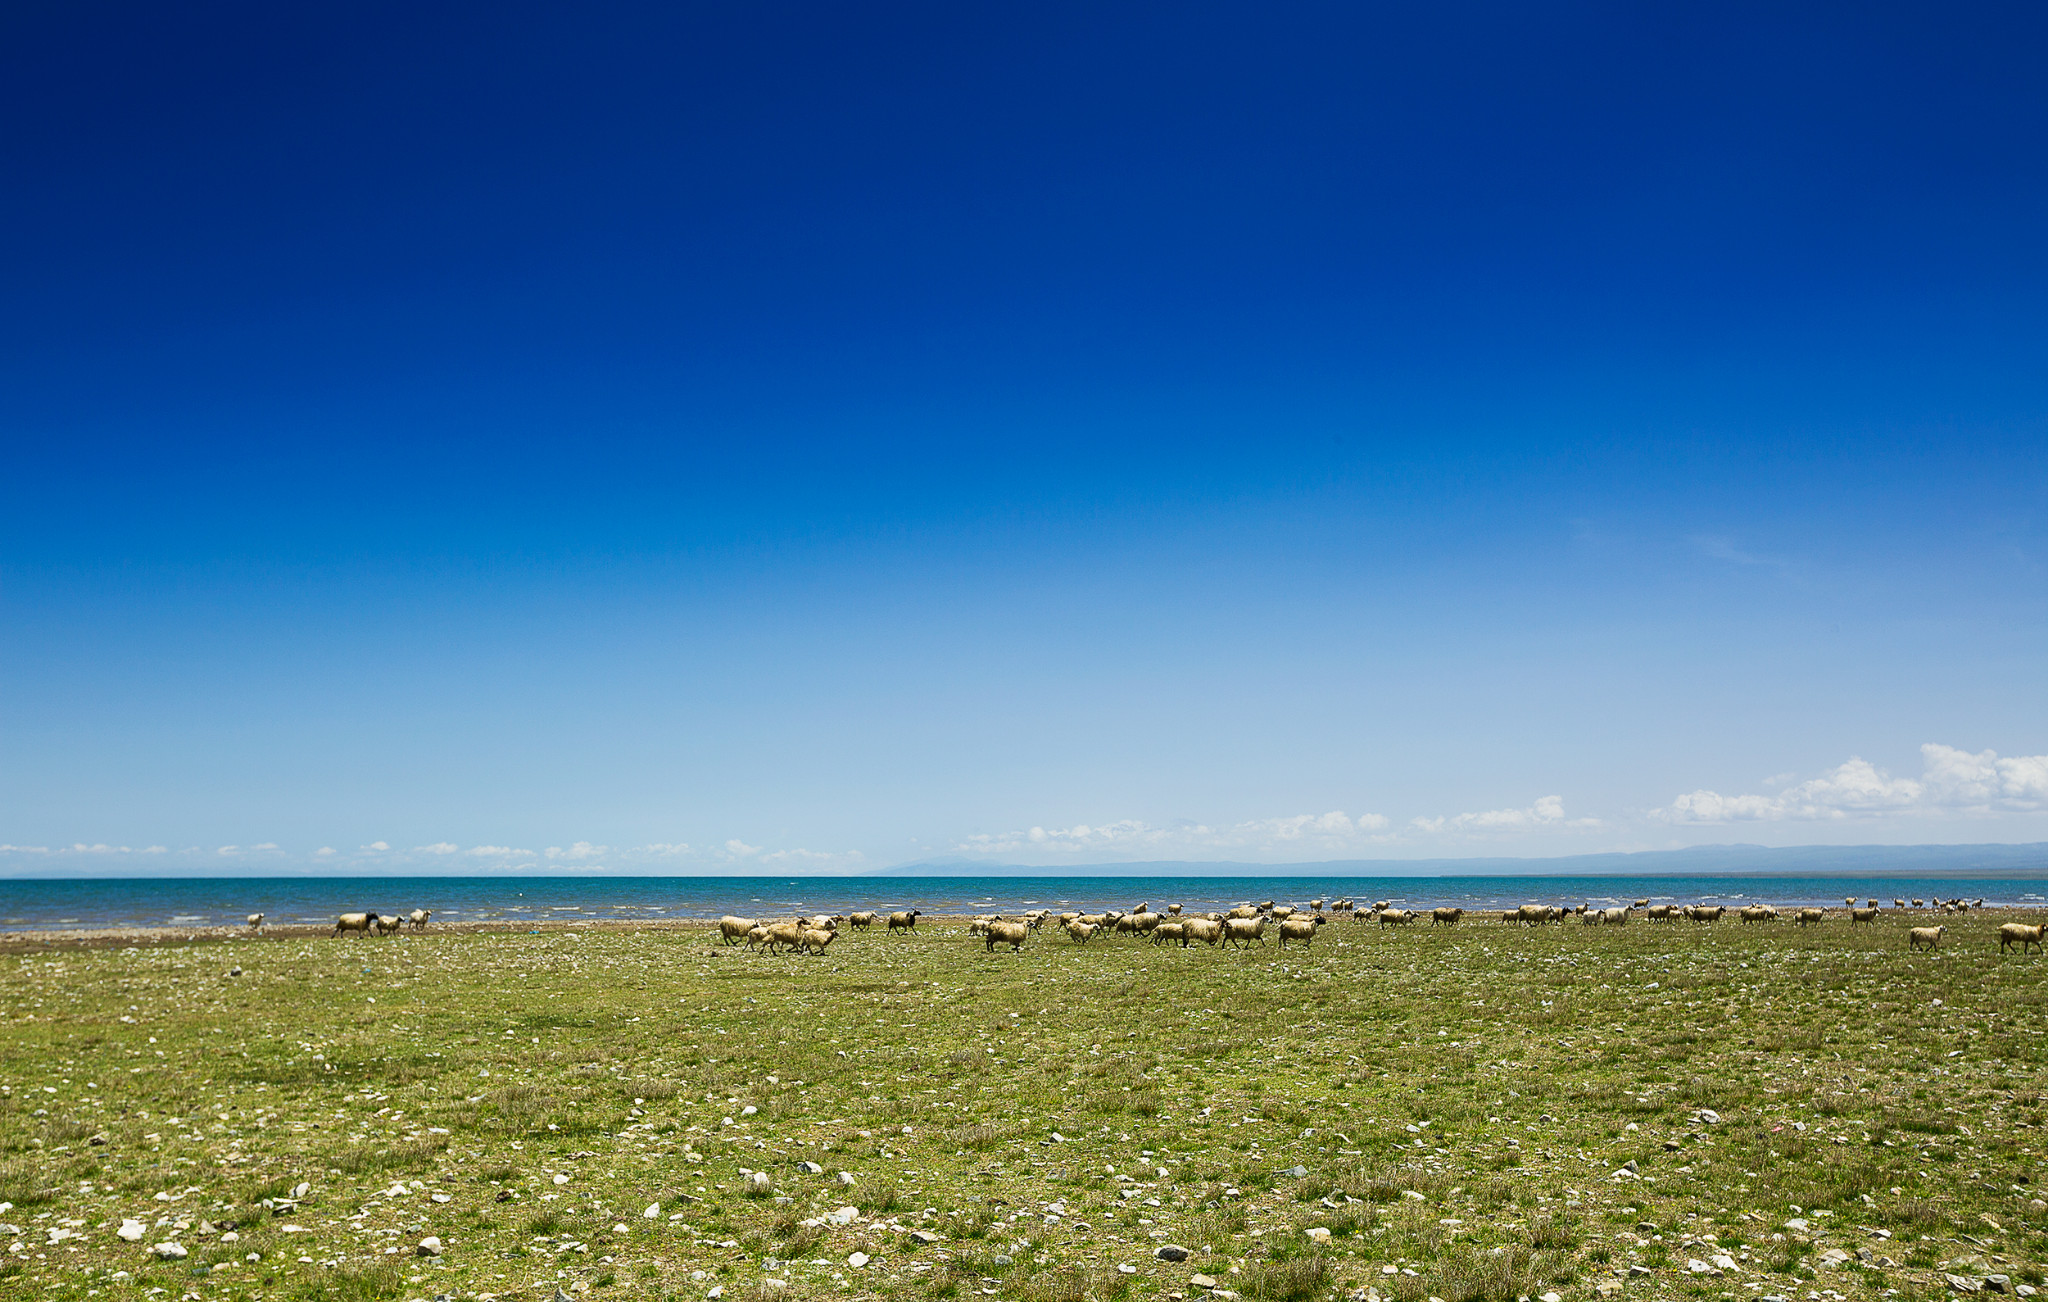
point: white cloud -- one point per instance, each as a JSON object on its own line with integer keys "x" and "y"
{"x": 229, "y": 850}
{"x": 323, "y": 852}
{"x": 1725, "y": 549}
{"x": 663, "y": 849}
{"x": 1333, "y": 831}
{"x": 580, "y": 850}
{"x": 24, "y": 849}
{"x": 377, "y": 847}
{"x": 155, "y": 849}
{"x": 438, "y": 847}
{"x": 494, "y": 852}
{"x": 1951, "y": 781}
{"x": 811, "y": 858}
{"x": 740, "y": 848}
{"x": 1546, "y": 812}
{"x": 267, "y": 845}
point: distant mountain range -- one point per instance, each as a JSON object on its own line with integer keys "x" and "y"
{"x": 2010, "y": 861}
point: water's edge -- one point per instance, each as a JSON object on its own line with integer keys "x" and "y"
{"x": 46, "y": 905}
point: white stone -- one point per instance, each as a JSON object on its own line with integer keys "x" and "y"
{"x": 132, "y": 1230}
{"x": 430, "y": 1246}
{"x": 561, "y": 1179}
{"x": 170, "y": 1250}
{"x": 857, "y": 1260}
{"x": 1318, "y": 1233}
{"x": 653, "y": 1212}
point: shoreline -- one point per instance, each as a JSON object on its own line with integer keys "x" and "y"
{"x": 93, "y": 938}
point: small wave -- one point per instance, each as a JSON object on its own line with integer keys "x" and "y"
{"x": 183, "y": 917}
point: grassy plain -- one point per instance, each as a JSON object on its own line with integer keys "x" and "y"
{"x": 574, "y": 1111}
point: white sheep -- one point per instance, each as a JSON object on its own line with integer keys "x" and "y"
{"x": 905, "y": 920}
{"x": 1445, "y": 917}
{"x": 1013, "y": 934}
{"x": 1236, "y": 931}
{"x": 418, "y": 918}
{"x": 256, "y": 922}
{"x": 2022, "y": 934}
{"x": 732, "y": 930}
{"x": 355, "y": 922}
{"x": 1301, "y": 929}
{"x": 1924, "y": 938}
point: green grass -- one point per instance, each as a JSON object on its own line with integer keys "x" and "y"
{"x": 1459, "y": 1099}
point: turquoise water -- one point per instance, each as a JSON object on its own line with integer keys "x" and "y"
{"x": 207, "y": 902}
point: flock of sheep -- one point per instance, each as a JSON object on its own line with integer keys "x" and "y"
{"x": 1245, "y": 924}
{"x": 1248, "y": 923}
{"x": 382, "y": 924}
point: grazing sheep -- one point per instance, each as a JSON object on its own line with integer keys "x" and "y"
{"x": 418, "y": 918}
{"x": 1317, "y": 905}
{"x": 1862, "y": 915}
{"x": 1166, "y": 931}
{"x": 255, "y": 922}
{"x": 823, "y": 923}
{"x": 1924, "y": 938}
{"x": 1174, "y": 909}
{"x": 1445, "y": 917}
{"x": 1206, "y": 930}
{"x": 1013, "y": 934}
{"x": 2022, "y": 934}
{"x": 1919, "y": 903}
{"x": 1079, "y": 931}
{"x": 1850, "y": 902}
{"x": 1532, "y": 914}
{"x": 1640, "y": 904}
{"x": 1510, "y": 916}
{"x": 814, "y": 939}
{"x": 861, "y": 921}
{"x": 904, "y": 921}
{"x": 785, "y": 935}
{"x": 1147, "y": 922}
{"x": 1396, "y": 917}
{"x": 1871, "y": 903}
{"x": 386, "y": 923}
{"x": 1811, "y": 917}
{"x": 757, "y": 936}
{"x": 1756, "y": 913}
{"x": 1284, "y": 912}
{"x": 1706, "y": 912}
{"x": 1898, "y": 904}
{"x": 1615, "y": 917}
{"x": 1243, "y": 911}
{"x": 1301, "y": 929}
{"x": 732, "y": 930}
{"x": 1236, "y": 931}
{"x": 1591, "y": 919}
{"x": 355, "y": 922}
{"x": 1663, "y": 913}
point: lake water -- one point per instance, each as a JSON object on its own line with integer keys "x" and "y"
{"x": 208, "y": 902}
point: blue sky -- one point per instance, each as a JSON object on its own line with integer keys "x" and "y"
{"x": 817, "y": 436}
